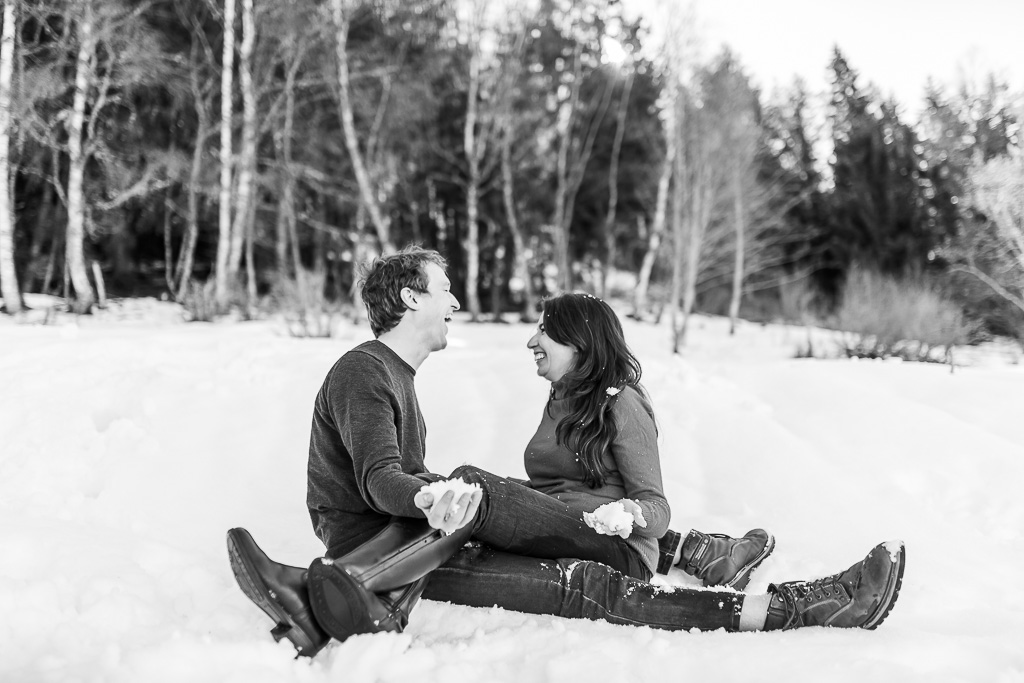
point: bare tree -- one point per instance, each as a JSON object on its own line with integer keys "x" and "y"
{"x": 657, "y": 230}
{"x": 613, "y": 182}
{"x": 475, "y": 147}
{"x": 576, "y": 135}
{"x": 287, "y": 230}
{"x": 367, "y": 191}
{"x": 242, "y": 230}
{"x": 994, "y": 253}
{"x": 674, "y": 55}
{"x": 8, "y": 276}
{"x": 84, "y": 74}
{"x": 224, "y": 242}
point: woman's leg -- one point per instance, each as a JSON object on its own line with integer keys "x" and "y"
{"x": 859, "y": 597}
{"x": 519, "y": 520}
{"x": 480, "y": 576}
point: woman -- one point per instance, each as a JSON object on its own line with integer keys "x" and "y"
{"x": 596, "y": 444}
{"x": 533, "y": 552}
{"x": 581, "y": 349}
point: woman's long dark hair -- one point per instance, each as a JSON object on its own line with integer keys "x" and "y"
{"x": 603, "y": 362}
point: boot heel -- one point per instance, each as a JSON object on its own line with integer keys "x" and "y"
{"x": 340, "y": 604}
{"x": 280, "y": 631}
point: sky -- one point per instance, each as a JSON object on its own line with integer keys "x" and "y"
{"x": 895, "y": 44}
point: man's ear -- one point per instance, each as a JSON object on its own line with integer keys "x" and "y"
{"x": 409, "y": 298}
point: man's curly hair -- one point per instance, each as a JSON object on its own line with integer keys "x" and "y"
{"x": 385, "y": 278}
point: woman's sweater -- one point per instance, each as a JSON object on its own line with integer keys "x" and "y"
{"x": 633, "y": 465}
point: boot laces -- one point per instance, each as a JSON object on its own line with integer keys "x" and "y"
{"x": 819, "y": 589}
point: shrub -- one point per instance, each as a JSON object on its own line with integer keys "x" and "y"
{"x": 798, "y": 302}
{"x": 907, "y": 318}
{"x": 307, "y": 310}
{"x": 199, "y": 301}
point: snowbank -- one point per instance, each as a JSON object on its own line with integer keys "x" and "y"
{"x": 129, "y": 444}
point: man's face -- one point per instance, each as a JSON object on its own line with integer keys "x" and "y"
{"x": 436, "y": 307}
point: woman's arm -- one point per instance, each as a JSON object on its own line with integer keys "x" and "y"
{"x": 635, "y": 450}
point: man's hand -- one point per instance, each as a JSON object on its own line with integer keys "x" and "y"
{"x": 447, "y": 514}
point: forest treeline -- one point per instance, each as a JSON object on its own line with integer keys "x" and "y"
{"x": 223, "y": 152}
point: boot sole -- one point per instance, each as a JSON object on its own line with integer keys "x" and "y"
{"x": 739, "y": 582}
{"x": 340, "y": 603}
{"x": 891, "y": 594}
{"x": 249, "y": 580}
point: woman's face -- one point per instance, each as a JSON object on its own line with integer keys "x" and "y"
{"x": 553, "y": 359}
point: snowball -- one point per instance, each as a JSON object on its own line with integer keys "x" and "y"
{"x": 611, "y": 519}
{"x": 456, "y": 485}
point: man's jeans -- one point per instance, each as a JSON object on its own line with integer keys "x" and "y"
{"x": 550, "y": 562}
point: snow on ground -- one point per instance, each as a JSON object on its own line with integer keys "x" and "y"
{"x": 130, "y": 442}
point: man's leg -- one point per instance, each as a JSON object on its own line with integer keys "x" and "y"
{"x": 372, "y": 588}
{"x": 519, "y": 520}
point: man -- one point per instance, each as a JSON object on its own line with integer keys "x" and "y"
{"x": 385, "y": 536}
{"x": 366, "y": 457}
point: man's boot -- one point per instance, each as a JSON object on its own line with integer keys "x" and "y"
{"x": 860, "y": 597}
{"x": 374, "y": 587}
{"x": 277, "y": 589}
{"x": 720, "y": 560}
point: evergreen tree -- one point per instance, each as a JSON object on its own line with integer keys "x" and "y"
{"x": 878, "y": 216}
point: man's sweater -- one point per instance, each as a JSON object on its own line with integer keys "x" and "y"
{"x": 366, "y": 448}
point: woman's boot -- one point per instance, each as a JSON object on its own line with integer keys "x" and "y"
{"x": 717, "y": 559}
{"x": 860, "y": 597}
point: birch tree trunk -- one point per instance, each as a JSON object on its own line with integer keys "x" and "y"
{"x": 613, "y": 185}
{"x": 74, "y": 244}
{"x": 241, "y": 231}
{"x": 287, "y": 229}
{"x": 183, "y": 272}
{"x": 700, "y": 193}
{"x": 678, "y": 229}
{"x": 564, "y": 125}
{"x": 8, "y": 276}
{"x": 226, "y": 114}
{"x": 366, "y": 190}
{"x": 521, "y": 267}
{"x": 740, "y": 226}
{"x": 657, "y": 232}
{"x": 474, "y": 151}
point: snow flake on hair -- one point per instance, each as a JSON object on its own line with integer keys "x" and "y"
{"x": 612, "y": 391}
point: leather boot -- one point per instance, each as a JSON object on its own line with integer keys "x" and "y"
{"x": 374, "y": 587}
{"x": 860, "y": 597}
{"x": 277, "y": 589}
{"x": 720, "y": 560}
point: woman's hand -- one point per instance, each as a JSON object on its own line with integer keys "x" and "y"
{"x": 616, "y": 519}
{"x": 634, "y": 509}
{"x": 446, "y": 513}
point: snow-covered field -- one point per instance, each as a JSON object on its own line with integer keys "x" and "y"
{"x": 130, "y": 443}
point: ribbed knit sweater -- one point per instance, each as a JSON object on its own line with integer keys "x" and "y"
{"x": 633, "y": 464}
{"x": 366, "y": 448}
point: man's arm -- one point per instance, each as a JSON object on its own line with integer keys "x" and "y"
{"x": 365, "y": 414}
{"x": 360, "y": 398}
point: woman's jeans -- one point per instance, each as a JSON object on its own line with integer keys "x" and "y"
{"x": 533, "y": 554}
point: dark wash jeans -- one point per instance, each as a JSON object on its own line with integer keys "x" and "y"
{"x": 534, "y": 555}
